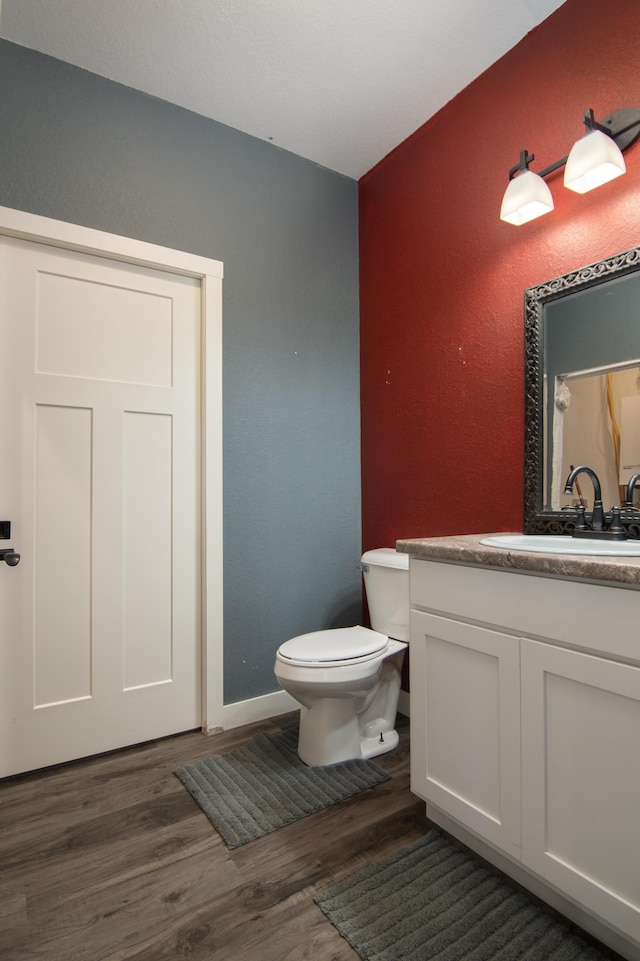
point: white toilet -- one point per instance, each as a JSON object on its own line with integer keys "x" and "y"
{"x": 347, "y": 680}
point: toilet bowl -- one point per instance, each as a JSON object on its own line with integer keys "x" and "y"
{"x": 347, "y": 680}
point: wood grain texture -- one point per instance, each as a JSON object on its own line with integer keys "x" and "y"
{"x": 110, "y": 859}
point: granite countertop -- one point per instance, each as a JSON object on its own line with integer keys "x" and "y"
{"x": 467, "y": 549}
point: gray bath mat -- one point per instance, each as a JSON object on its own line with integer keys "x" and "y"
{"x": 263, "y": 785}
{"x": 432, "y": 900}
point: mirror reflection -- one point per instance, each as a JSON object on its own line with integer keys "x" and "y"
{"x": 596, "y": 421}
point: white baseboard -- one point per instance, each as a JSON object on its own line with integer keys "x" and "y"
{"x": 254, "y": 709}
{"x": 270, "y": 705}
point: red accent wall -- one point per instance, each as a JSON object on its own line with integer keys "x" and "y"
{"x": 442, "y": 278}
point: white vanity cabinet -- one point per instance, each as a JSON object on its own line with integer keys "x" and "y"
{"x": 525, "y": 731}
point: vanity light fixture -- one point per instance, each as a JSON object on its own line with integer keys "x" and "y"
{"x": 527, "y": 195}
{"x": 593, "y": 160}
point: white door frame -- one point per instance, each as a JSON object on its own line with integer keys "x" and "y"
{"x": 57, "y": 233}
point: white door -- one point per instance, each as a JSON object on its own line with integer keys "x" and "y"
{"x": 99, "y": 476}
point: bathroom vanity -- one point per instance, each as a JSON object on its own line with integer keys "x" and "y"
{"x": 525, "y": 719}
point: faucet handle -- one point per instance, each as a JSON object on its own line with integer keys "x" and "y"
{"x": 616, "y": 526}
{"x": 581, "y": 520}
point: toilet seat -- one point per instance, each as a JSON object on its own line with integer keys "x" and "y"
{"x": 333, "y": 648}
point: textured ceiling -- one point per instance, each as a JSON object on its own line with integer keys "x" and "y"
{"x": 340, "y": 82}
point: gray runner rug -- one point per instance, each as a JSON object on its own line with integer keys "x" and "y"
{"x": 263, "y": 785}
{"x": 432, "y": 900}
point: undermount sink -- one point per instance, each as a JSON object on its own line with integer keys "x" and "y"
{"x": 562, "y": 544}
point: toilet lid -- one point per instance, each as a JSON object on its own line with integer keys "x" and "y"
{"x": 334, "y": 646}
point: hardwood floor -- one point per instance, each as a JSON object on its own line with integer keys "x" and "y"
{"x": 110, "y": 859}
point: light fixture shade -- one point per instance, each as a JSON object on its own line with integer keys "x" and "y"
{"x": 526, "y": 198}
{"x": 594, "y": 160}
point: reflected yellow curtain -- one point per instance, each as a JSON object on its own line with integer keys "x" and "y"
{"x": 615, "y": 434}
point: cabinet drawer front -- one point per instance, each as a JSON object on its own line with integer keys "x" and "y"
{"x": 581, "y": 779}
{"x": 581, "y": 615}
{"x": 465, "y": 725}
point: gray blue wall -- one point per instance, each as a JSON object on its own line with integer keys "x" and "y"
{"x": 79, "y": 148}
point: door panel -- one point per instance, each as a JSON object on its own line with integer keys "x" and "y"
{"x": 465, "y": 725}
{"x": 62, "y": 563}
{"x": 147, "y": 636}
{"x": 581, "y": 779}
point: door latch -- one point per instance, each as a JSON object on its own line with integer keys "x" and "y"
{"x": 11, "y": 557}
{"x": 7, "y": 554}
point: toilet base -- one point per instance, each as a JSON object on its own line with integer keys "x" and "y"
{"x": 329, "y": 734}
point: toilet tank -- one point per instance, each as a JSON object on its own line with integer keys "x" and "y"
{"x": 386, "y": 582}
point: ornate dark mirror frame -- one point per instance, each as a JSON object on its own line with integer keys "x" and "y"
{"x": 537, "y": 520}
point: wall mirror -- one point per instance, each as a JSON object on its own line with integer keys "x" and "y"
{"x": 582, "y": 391}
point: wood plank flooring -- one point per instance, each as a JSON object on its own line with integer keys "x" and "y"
{"x": 110, "y": 859}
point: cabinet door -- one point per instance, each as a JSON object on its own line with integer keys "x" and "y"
{"x": 581, "y": 779}
{"x": 465, "y": 725}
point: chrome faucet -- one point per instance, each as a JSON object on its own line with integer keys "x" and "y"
{"x": 628, "y": 501}
{"x": 597, "y": 516}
